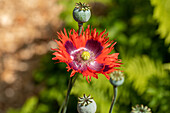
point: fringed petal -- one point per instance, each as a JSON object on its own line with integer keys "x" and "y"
{"x": 96, "y": 66}
{"x": 73, "y": 73}
{"x": 107, "y": 76}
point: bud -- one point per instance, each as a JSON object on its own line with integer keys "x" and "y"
{"x": 81, "y": 12}
{"x": 116, "y": 78}
{"x": 86, "y": 104}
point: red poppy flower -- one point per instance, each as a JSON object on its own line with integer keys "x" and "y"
{"x": 87, "y": 54}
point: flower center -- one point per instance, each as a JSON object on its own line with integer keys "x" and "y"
{"x": 85, "y": 55}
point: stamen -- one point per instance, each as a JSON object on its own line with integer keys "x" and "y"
{"x": 85, "y": 55}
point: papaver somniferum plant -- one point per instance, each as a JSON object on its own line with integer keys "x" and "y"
{"x": 85, "y": 51}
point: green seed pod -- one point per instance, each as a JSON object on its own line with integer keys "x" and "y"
{"x": 86, "y": 104}
{"x": 81, "y": 12}
{"x": 141, "y": 109}
{"x": 116, "y": 78}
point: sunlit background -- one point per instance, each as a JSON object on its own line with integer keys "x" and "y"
{"x": 30, "y": 82}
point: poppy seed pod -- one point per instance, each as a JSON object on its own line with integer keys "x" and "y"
{"x": 116, "y": 78}
{"x": 141, "y": 109}
{"x": 86, "y": 104}
{"x": 81, "y": 12}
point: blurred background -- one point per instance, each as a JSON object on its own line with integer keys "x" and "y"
{"x": 30, "y": 82}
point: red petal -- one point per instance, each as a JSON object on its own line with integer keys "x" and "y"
{"x": 72, "y": 73}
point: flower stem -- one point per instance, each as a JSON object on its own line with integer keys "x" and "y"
{"x": 65, "y": 103}
{"x": 114, "y": 98}
{"x": 80, "y": 27}
{"x": 68, "y": 94}
{"x": 61, "y": 107}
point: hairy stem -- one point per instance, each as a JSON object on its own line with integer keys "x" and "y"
{"x": 114, "y": 98}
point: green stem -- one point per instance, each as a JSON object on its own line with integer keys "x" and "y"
{"x": 68, "y": 94}
{"x": 114, "y": 99}
{"x": 61, "y": 107}
{"x": 80, "y": 27}
{"x": 74, "y": 79}
{"x": 65, "y": 103}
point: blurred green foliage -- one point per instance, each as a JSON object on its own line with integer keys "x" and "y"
{"x": 144, "y": 54}
{"x": 161, "y": 13}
